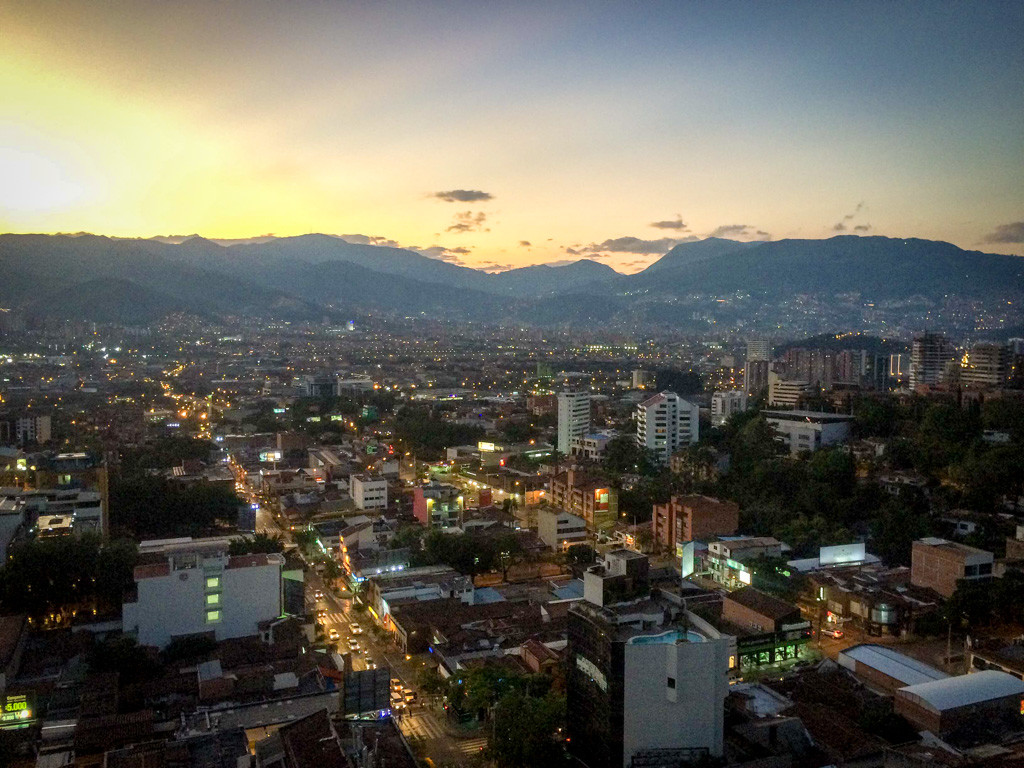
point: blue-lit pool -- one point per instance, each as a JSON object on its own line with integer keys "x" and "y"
{"x": 670, "y": 637}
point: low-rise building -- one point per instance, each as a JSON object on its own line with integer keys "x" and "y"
{"x": 725, "y": 405}
{"x": 964, "y": 707}
{"x": 590, "y": 446}
{"x": 686, "y": 518}
{"x": 885, "y": 669}
{"x": 585, "y": 495}
{"x": 727, "y": 559}
{"x": 809, "y": 431}
{"x": 939, "y": 564}
{"x": 560, "y": 529}
{"x": 368, "y": 492}
{"x": 191, "y": 587}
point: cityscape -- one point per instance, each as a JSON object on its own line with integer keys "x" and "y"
{"x": 533, "y": 492}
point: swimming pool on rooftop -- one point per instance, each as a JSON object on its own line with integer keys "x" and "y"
{"x": 671, "y": 637}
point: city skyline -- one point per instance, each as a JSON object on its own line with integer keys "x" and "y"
{"x": 499, "y": 138}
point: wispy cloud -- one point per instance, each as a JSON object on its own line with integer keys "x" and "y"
{"x": 467, "y": 221}
{"x": 631, "y": 244}
{"x": 843, "y": 225}
{"x": 1006, "y": 233}
{"x": 463, "y": 196}
{"x": 370, "y": 240}
{"x": 740, "y": 230}
{"x": 525, "y": 244}
{"x": 676, "y": 223}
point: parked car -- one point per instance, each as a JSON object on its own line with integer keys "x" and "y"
{"x": 836, "y": 633}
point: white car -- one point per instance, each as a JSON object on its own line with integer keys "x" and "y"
{"x": 356, "y": 629}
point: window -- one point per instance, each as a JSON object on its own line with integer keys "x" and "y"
{"x": 671, "y": 682}
{"x": 213, "y": 599}
{"x": 213, "y": 582}
{"x": 212, "y": 616}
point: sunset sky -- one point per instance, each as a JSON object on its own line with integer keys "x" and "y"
{"x": 516, "y": 133}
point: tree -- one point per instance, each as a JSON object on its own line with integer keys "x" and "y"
{"x": 622, "y": 456}
{"x": 527, "y": 730}
{"x": 258, "y": 544}
{"x": 581, "y": 554}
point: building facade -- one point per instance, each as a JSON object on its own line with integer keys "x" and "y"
{"x": 368, "y": 492}
{"x": 808, "y": 431}
{"x": 194, "y": 587}
{"x": 665, "y": 423}
{"x": 573, "y": 418}
{"x": 724, "y": 405}
{"x": 939, "y": 564}
{"x": 931, "y": 355}
{"x": 559, "y": 529}
{"x": 686, "y": 518}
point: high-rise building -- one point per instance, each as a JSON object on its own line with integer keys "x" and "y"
{"x": 930, "y": 356}
{"x": 726, "y": 404}
{"x": 647, "y": 680}
{"x": 986, "y": 365}
{"x": 641, "y": 379}
{"x": 666, "y": 423}
{"x": 759, "y": 350}
{"x": 573, "y": 418}
{"x": 784, "y": 393}
{"x": 755, "y": 377}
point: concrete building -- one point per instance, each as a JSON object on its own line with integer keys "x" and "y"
{"x": 193, "y": 587}
{"x": 368, "y": 492}
{"x": 559, "y": 529}
{"x": 963, "y": 706}
{"x": 585, "y": 495}
{"x": 591, "y": 446}
{"x": 573, "y": 418}
{"x": 665, "y": 423}
{"x": 809, "y": 430}
{"x": 641, "y": 379}
{"x": 19, "y": 430}
{"x": 788, "y": 393}
{"x": 686, "y": 518}
{"x": 647, "y": 680}
{"x": 931, "y": 355}
{"x": 755, "y": 377}
{"x": 985, "y": 365}
{"x": 1015, "y": 545}
{"x": 726, "y": 559}
{"x": 939, "y": 564}
{"x": 726, "y": 404}
{"x": 759, "y": 350}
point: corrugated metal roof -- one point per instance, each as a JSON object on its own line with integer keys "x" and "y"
{"x": 889, "y": 662}
{"x": 963, "y": 690}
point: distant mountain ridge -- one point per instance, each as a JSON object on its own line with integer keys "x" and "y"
{"x": 102, "y": 278}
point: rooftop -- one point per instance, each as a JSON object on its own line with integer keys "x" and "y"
{"x": 963, "y": 690}
{"x": 762, "y": 603}
{"x": 889, "y": 662}
{"x": 814, "y": 417}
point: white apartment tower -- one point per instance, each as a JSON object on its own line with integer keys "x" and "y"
{"x": 666, "y": 423}
{"x": 573, "y": 418}
{"x": 725, "y": 404}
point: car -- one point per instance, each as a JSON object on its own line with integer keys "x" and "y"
{"x": 370, "y": 663}
{"x": 322, "y": 613}
{"x": 356, "y": 629}
{"x": 836, "y": 633}
{"x": 318, "y": 595}
{"x": 332, "y": 633}
{"x": 353, "y": 643}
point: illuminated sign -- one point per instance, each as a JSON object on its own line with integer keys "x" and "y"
{"x": 17, "y": 710}
{"x": 744, "y": 577}
{"x": 842, "y": 553}
{"x": 279, "y": 410}
{"x": 271, "y": 455}
{"x": 337, "y": 417}
{"x": 173, "y": 424}
{"x": 483, "y": 446}
{"x": 312, "y": 418}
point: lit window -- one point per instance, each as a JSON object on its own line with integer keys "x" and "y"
{"x": 212, "y": 617}
{"x": 213, "y": 599}
{"x": 213, "y": 582}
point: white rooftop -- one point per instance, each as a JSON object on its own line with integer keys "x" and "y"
{"x": 889, "y": 662}
{"x": 963, "y": 690}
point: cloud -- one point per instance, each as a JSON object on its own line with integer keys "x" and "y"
{"x": 740, "y": 230}
{"x": 370, "y": 240}
{"x": 573, "y": 251}
{"x": 494, "y": 266}
{"x": 631, "y": 244}
{"x": 1006, "y": 233}
{"x": 467, "y": 221}
{"x": 525, "y": 244}
{"x": 463, "y": 196}
{"x": 862, "y": 228}
{"x": 676, "y": 223}
{"x": 441, "y": 253}
{"x": 840, "y": 227}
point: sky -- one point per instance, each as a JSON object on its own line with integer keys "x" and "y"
{"x": 505, "y": 134}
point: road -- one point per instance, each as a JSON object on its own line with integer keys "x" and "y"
{"x": 423, "y": 726}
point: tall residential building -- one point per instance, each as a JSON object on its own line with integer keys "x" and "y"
{"x": 724, "y": 405}
{"x": 755, "y": 377}
{"x": 647, "y": 680}
{"x": 573, "y": 418}
{"x": 25, "y": 428}
{"x": 665, "y": 423}
{"x": 930, "y": 357}
{"x": 783, "y": 393}
{"x": 985, "y": 365}
{"x": 641, "y": 379}
{"x": 759, "y": 350}
{"x": 192, "y": 587}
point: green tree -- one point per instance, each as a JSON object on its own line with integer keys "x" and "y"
{"x": 260, "y": 543}
{"x": 527, "y": 731}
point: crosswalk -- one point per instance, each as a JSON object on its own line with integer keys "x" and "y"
{"x": 424, "y": 727}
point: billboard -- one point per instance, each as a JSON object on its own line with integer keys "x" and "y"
{"x": 18, "y": 710}
{"x": 366, "y": 691}
{"x": 842, "y": 553}
{"x": 271, "y": 455}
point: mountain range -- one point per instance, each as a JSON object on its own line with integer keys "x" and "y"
{"x": 93, "y": 277}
